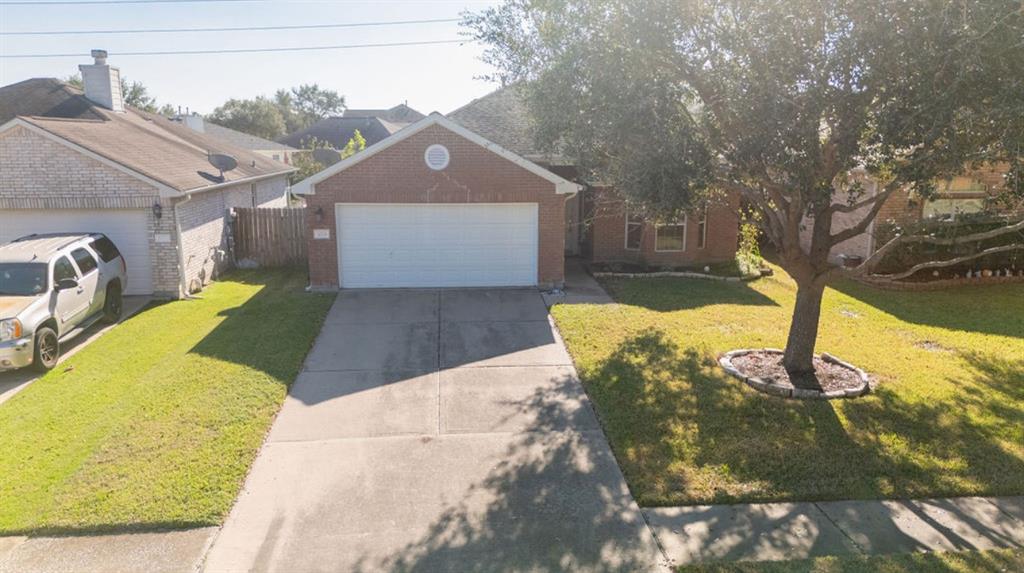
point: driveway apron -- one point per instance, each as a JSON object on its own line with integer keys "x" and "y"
{"x": 436, "y": 431}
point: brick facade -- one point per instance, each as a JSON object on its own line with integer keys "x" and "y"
{"x": 606, "y": 234}
{"x": 399, "y": 175}
{"x": 204, "y": 225}
{"x": 38, "y": 173}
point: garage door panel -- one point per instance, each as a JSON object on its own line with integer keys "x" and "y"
{"x": 126, "y": 228}
{"x": 402, "y": 245}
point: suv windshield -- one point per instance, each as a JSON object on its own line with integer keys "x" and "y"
{"x": 22, "y": 279}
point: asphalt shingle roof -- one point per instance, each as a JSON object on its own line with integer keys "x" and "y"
{"x": 146, "y": 143}
{"x": 502, "y": 117}
{"x": 243, "y": 140}
{"x": 337, "y": 131}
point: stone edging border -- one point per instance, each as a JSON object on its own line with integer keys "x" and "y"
{"x": 787, "y": 390}
{"x": 683, "y": 274}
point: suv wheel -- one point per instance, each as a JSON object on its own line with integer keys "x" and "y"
{"x": 47, "y": 349}
{"x": 113, "y": 305}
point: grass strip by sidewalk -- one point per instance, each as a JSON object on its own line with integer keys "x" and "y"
{"x": 995, "y": 561}
{"x": 155, "y": 424}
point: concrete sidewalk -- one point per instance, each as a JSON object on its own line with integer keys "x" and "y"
{"x": 783, "y": 531}
{"x": 151, "y": 552}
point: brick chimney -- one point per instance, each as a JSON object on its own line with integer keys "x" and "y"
{"x": 102, "y": 82}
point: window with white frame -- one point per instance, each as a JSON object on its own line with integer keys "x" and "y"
{"x": 702, "y": 229}
{"x": 634, "y": 230}
{"x": 670, "y": 236}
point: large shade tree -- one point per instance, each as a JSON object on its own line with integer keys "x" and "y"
{"x": 675, "y": 102}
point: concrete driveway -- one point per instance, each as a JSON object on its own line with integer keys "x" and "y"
{"x": 436, "y": 431}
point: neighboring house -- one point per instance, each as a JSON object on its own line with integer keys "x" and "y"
{"x": 74, "y": 161}
{"x": 968, "y": 193}
{"x": 373, "y": 124}
{"x": 265, "y": 147}
{"x": 466, "y": 200}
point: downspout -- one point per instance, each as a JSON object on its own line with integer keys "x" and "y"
{"x": 182, "y": 277}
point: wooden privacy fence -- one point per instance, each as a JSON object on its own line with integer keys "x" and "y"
{"x": 270, "y": 237}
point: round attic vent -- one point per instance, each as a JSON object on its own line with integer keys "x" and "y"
{"x": 436, "y": 157}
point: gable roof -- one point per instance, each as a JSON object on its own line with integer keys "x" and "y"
{"x": 242, "y": 139}
{"x": 502, "y": 117}
{"x": 562, "y": 186}
{"x": 48, "y": 97}
{"x": 401, "y": 113}
{"x": 337, "y": 131}
{"x": 149, "y": 146}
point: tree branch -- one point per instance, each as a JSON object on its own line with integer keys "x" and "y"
{"x": 950, "y": 262}
{"x": 981, "y": 236}
{"x": 864, "y": 223}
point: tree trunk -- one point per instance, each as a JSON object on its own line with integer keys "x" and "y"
{"x": 803, "y": 333}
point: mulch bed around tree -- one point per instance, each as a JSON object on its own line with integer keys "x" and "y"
{"x": 762, "y": 370}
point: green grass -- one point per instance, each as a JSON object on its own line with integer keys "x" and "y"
{"x": 998, "y": 561}
{"x": 947, "y": 417}
{"x": 155, "y": 424}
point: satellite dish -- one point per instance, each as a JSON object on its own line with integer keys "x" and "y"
{"x": 222, "y": 162}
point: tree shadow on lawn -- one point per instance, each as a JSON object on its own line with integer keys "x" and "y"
{"x": 176, "y": 416}
{"x": 684, "y": 432}
{"x": 988, "y": 309}
{"x": 271, "y": 331}
{"x": 668, "y": 294}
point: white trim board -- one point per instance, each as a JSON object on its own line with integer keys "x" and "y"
{"x": 308, "y": 186}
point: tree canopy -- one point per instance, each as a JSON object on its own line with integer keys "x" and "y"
{"x": 258, "y": 116}
{"x": 287, "y": 111}
{"x": 675, "y": 102}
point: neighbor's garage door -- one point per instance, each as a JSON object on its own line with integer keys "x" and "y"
{"x": 126, "y": 228}
{"x": 437, "y": 245}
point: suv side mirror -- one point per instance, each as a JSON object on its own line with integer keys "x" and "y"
{"x": 65, "y": 284}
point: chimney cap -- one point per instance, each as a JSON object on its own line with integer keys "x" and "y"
{"x": 100, "y": 56}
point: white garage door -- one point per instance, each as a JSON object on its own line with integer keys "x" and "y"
{"x": 126, "y": 228}
{"x": 403, "y": 245}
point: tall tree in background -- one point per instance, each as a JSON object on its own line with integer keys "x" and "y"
{"x": 677, "y": 101}
{"x": 258, "y": 116}
{"x": 314, "y": 103}
{"x": 294, "y": 110}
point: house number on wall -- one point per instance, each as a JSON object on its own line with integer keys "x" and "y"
{"x": 321, "y": 233}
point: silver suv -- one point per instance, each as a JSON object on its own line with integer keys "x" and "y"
{"x": 52, "y": 287}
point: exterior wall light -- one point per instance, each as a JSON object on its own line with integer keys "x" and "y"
{"x": 158, "y": 211}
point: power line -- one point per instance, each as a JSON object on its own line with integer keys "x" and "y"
{"x": 236, "y": 29}
{"x": 245, "y": 50}
{"x": 88, "y": 2}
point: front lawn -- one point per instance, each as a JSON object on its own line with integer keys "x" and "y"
{"x": 947, "y": 417}
{"x": 999, "y": 561}
{"x": 155, "y": 424}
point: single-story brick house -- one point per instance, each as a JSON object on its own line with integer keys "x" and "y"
{"x": 75, "y": 161}
{"x": 465, "y": 200}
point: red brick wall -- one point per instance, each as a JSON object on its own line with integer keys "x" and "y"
{"x": 607, "y": 235}
{"x": 399, "y": 175}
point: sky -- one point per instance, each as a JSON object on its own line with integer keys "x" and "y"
{"x": 429, "y": 77}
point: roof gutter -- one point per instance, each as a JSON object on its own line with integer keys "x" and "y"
{"x": 252, "y": 179}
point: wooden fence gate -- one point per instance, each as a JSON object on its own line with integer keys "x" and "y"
{"x": 270, "y": 237}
